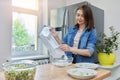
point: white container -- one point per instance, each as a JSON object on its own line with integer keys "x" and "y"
{"x": 62, "y": 62}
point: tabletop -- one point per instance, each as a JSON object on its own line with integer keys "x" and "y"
{"x": 51, "y": 72}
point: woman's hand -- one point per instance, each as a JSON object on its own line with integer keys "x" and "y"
{"x": 65, "y": 47}
{"x": 54, "y": 33}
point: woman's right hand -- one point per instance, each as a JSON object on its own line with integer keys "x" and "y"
{"x": 65, "y": 47}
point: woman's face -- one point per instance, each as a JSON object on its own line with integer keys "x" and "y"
{"x": 80, "y": 17}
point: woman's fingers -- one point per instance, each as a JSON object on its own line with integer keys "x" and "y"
{"x": 64, "y": 47}
{"x": 52, "y": 30}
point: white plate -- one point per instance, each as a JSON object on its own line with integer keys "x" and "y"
{"x": 81, "y": 73}
{"x": 115, "y": 65}
{"x": 87, "y": 65}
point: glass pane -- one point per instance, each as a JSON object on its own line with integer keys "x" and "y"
{"x": 29, "y": 4}
{"x": 24, "y": 33}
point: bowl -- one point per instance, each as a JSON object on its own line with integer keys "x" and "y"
{"x": 61, "y": 62}
{"x": 81, "y": 73}
{"x": 87, "y": 65}
{"x": 19, "y": 70}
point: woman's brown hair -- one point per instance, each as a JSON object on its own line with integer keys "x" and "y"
{"x": 88, "y": 15}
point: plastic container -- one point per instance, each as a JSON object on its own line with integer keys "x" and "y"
{"x": 19, "y": 70}
{"x": 61, "y": 62}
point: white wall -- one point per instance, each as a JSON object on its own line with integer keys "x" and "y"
{"x": 5, "y": 30}
{"x": 111, "y": 15}
{"x": 52, "y": 4}
{"x": 56, "y": 3}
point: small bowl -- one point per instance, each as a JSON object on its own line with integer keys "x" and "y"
{"x": 61, "y": 62}
{"x": 19, "y": 70}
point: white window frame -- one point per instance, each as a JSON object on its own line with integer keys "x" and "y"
{"x": 41, "y": 51}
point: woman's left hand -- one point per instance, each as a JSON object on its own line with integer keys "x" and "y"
{"x": 65, "y": 47}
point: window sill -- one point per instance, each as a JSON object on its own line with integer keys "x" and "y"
{"x": 31, "y": 57}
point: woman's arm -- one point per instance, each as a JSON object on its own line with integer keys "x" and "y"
{"x": 74, "y": 50}
{"x": 83, "y": 52}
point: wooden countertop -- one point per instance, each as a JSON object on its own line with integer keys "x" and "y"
{"x": 51, "y": 72}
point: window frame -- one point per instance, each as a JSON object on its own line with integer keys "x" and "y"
{"x": 40, "y": 49}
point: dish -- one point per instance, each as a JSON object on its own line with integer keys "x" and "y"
{"x": 62, "y": 62}
{"x": 81, "y": 73}
{"x": 86, "y": 65}
{"x": 115, "y": 65}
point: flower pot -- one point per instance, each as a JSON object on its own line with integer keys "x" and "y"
{"x": 106, "y": 59}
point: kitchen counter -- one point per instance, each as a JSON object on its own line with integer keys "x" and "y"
{"x": 51, "y": 72}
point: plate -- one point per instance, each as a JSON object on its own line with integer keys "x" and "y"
{"x": 115, "y": 65}
{"x": 81, "y": 73}
{"x": 87, "y": 65}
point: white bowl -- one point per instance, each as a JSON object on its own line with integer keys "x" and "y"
{"x": 81, "y": 73}
{"x": 87, "y": 65}
{"x": 61, "y": 62}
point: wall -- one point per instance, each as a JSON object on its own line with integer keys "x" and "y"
{"x": 111, "y": 17}
{"x": 56, "y": 3}
{"x": 52, "y": 4}
{"x": 5, "y": 30}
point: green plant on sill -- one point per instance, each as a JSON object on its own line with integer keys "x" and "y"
{"x": 107, "y": 44}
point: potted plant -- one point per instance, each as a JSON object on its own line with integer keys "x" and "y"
{"x": 105, "y": 46}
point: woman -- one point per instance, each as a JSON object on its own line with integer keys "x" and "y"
{"x": 80, "y": 39}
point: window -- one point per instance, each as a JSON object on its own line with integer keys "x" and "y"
{"x": 28, "y": 4}
{"x": 25, "y": 29}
